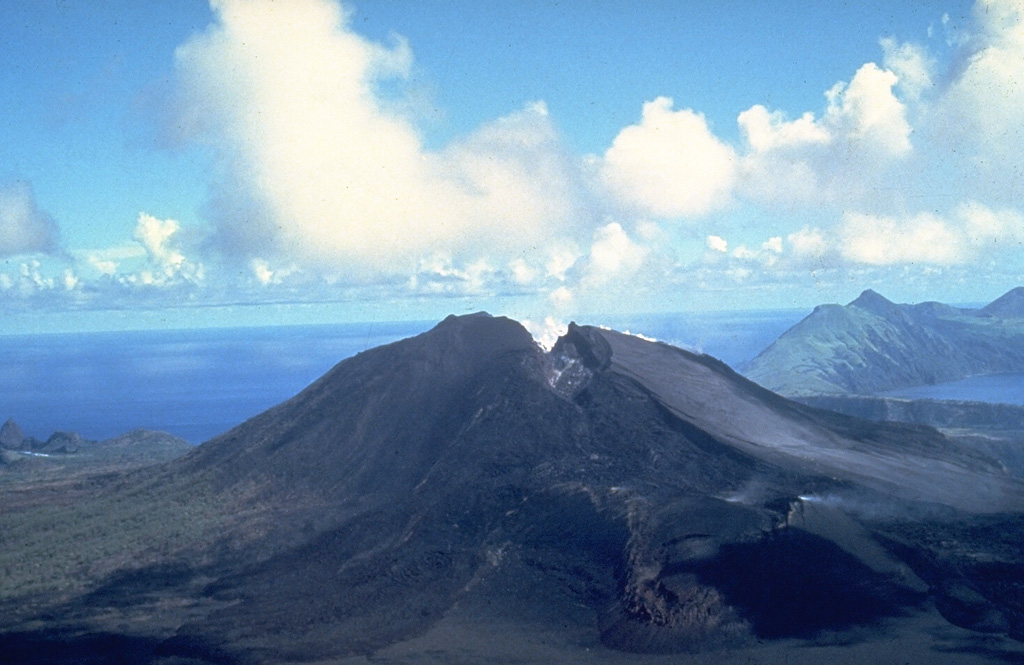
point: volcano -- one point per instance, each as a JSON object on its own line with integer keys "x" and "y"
{"x": 465, "y": 496}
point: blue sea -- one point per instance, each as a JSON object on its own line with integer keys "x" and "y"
{"x": 1007, "y": 388}
{"x": 199, "y": 383}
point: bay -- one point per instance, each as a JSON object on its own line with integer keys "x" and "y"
{"x": 1002, "y": 388}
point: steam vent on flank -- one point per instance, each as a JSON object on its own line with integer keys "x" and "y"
{"x": 465, "y": 496}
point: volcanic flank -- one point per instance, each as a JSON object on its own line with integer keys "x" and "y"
{"x": 439, "y": 494}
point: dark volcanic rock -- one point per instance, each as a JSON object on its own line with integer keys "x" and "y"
{"x": 62, "y": 442}
{"x": 11, "y": 436}
{"x": 629, "y": 491}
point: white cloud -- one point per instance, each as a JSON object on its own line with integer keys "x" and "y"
{"x": 982, "y": 110}
{"x": 862, "y": 115}
{"x": 562, "y": 259}
{"x": 912, "y": 65}
{"x": 613, "y": 255}
{"x": 866, "y": 110}
{"x": 561, "y": 298}
{"x": 166, "y": 264}
{"x": 670, "y": 165}
{"x": 767, "y": 130}
{"x": 742, "y": 252}
{"x": 970, "y": 232}
{"x": 438, "y": 274}
{"x": 31, "y": 274}
{"x": 319, "y": 169}
{"x": 991, "y": 229}
{"x": 153, "y": 234}
{"x": 24, "y": 228}
{"x": 522, "y": 272}
{"x": 842, "y": 158}
{"x": 322, "y": 180}
{"x": 717, "y": 243}
{"x": 103, "y": 266}
{"x": 808, "y": 243}
{"x": 68, "y": 279}
{"x": 262, "y": 272}
{"x": 879, "y": 240}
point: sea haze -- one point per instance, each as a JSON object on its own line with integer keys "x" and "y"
{"x": 199, "y": 383}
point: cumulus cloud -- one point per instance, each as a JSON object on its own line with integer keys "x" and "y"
{"x": 808, "y": 243}
{"x": 439, "y": 275}
{"x": 867, "y": 111}
{"x": 669, "y": 165}
{"x": 613, "y": 255}
{"x": 317, "y": 168}
{"x": 968, "y": 233}
{"x": 773, "y": 244}
{"x": 32, "y": 281}
{"x": 321, "y": 177}
{"x": 522, "y": 272}
{"x": 912, "y": 65}
{"x": 154, "y": 236}
{"x": 841, "y": 156}
{"x": 988, "y": 229}
{"x": 717, "y": 243}
{"x": 981, "y": 112}
{"x": 561, "y": 298}
{"x": 24, "y": 227}
{"x": 562, "y": 259}
{"x": 770, "y": 130}
{"x": 166, "y": 264}
{"x": 885, "y": 240}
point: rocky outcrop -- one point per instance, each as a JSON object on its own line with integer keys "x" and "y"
{"x": 62, "y": 443}
{"x": 70, "y": 452}
{"x": 11, "y": 436}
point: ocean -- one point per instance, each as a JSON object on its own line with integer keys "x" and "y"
{"x": 1006, "y": 388}
{"x": 197, "y": 384}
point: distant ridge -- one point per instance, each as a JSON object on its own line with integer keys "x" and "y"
{"x": 1009, "y": 305}
{"x": 70, "y": 452}
{"x": 873, "y": 345}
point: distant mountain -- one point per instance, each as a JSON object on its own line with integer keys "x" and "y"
{"x": 68, "y": 451}
{"x": 1009, "y": 305}
{"x": 873, "y": 345}
{"x": 463, "y": 496}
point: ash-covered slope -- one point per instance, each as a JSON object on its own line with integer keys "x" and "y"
{"x": 873, "y": 345}
{"x": 614, "y": 495}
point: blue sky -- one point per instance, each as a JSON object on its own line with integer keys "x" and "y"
{"x": 251, "y": 161}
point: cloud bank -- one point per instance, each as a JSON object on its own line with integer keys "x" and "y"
{"x": 912, "y": 163}
{"x": 317, "y": 171}
{"x": 315, "y": 167}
